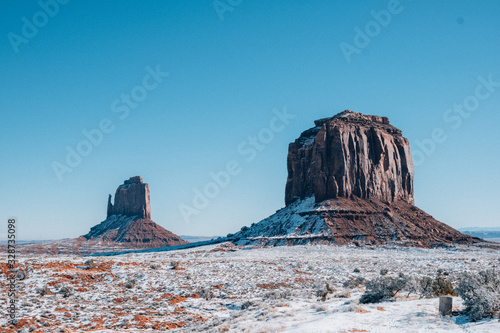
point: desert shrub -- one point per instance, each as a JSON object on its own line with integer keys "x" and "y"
{"x": 90, "y": 264}
{"x": 22, "y": 274}
{"x": 66, "y": 291}
{"x": 387, "y": 287}
{"x": 206, "y": 293}
{"x": 174, "y": 264}
{"x": 354, "y": 283}
{"x": 481, "y": 294}
{"x": 434, "y": 287}
{"x": 382, "y": 288}
{"x": 246, "y": 305}
{"x": 224, "y": 328}
{"x": 356, "y": 270}
{"x": 322, "y": 291}
{"x": 277, "y": 294}
{"x": 442, "y": 286}
{"x": 130, "y": 284}
{"x": 412, "y": 285}
{"x": 343, "y": 294}
{"x": 320, "y": 308}
{"x": 153, "y": 266}
{"x": 43, "y": 290}
{"x": 384, "y": 271}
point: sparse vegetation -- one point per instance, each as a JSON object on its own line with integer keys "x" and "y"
{"x": 256, "y": 290}
{"x": 246, "y": 305}
{"x": 435, "y": 287}
{"x": 353, "y": 283}
{"x": 43, "y": 290}
{"x": 130, "y": 284}
{"x": 481, "y": 294}
{"x": 90, "y": 264}
{"x": 206, "y": 293}
{"x": 322, "y": 291}
{"x": 66, "y": 291}
{"x": 277, "y": 294}
{"x": 343, "y": 294}
{"x": 387, "y": 287}
{"x": 22, "y": 274}
{"x": 382, "y": 288}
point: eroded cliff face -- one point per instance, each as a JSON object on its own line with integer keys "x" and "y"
{"x": 350, "y": 155}
{"x": 131, "y": 199}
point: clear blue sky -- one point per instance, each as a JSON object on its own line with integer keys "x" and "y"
{"x": 229, "y": 68}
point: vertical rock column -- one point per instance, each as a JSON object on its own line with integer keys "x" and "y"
{"x": 350, "y": 155}
{"x": 131, "y": 199}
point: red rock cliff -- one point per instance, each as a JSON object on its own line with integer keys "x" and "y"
{"x": 350, "y": 155}
{"x": 131, "y": 199}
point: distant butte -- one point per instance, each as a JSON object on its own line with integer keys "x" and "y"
{"x": 350, "y": 181}
{"x": 129, "y": 221}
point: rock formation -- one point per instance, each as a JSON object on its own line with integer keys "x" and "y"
{"x": 131, "y": 199}
{"x": 350, "y": 155}
{"x": 350, "y": 181}
{"x": 129, "y": 219}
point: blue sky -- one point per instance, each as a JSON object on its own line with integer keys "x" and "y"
{"x": 231, "y": 68}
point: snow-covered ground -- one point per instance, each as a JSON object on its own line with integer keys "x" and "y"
{"x": 225, "y": 288}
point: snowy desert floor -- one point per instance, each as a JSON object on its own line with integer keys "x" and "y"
{"x": 225, "y": 288}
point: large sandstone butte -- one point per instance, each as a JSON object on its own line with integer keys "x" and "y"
{"x": 129, "y": 221}
{"x": 350, "y": 155}
{"x": 350, "y": 180}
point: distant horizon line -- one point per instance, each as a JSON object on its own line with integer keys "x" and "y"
{"x": 26, "y": 241}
